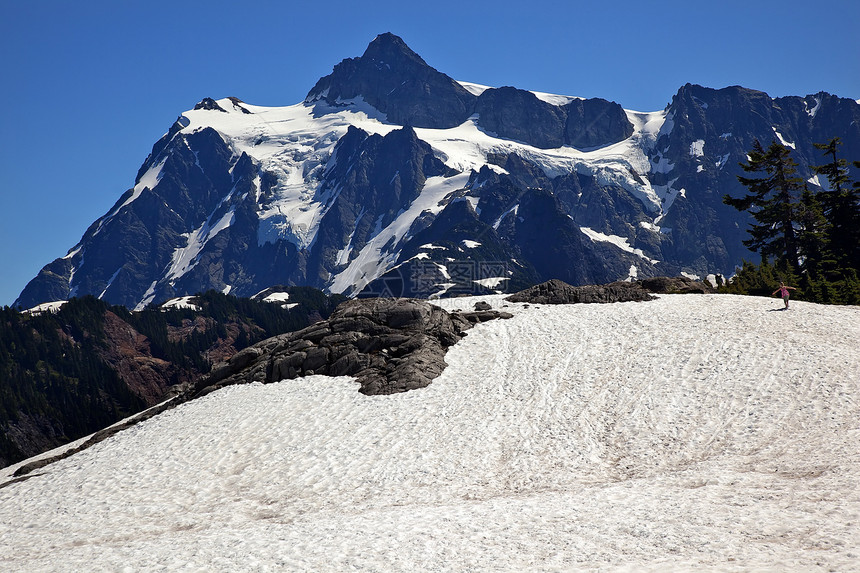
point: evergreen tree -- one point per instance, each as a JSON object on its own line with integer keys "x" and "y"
{"x": 772, "y": 202}
{"x": 812, "y": 239}
{"x": 759, "y": 280}
{"x": 841, "y": 206}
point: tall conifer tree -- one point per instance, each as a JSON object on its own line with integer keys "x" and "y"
{"x": 773, "y": 203}
{"x": 841, "y": 205}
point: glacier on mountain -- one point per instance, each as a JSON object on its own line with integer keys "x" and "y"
{"x": 296, "y": 143}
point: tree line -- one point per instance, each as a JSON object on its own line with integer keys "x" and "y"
{"x": 56, "y": 386}
{"x": 808, "y": 237}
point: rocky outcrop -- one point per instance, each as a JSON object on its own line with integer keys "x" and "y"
{"x": 210, "y": 104}
{"x": 388, "y": 345}
{"x": 559, "y": 292}
{"x": 675, "y": 285}
{"x": 595, "y": 122}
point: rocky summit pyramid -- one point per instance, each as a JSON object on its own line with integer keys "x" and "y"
{"x": 392, "y": 178}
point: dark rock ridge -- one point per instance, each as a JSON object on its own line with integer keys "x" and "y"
{"x": 559, "y": 292}
{"x": 399, "y": 83}
{"x": 520, "y": 115}
{"x": 389, "y": 345}
{"x": 396, "y": 81}
{"x": 210, "y": 104}
{"x": 675, "y": 285}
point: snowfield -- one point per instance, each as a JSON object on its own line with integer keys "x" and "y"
{"x": 690, "y": 433}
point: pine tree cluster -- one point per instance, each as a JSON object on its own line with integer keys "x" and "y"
{"x": 806, "y": 237}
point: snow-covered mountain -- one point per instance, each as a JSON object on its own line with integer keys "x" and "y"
{"x": 393, "y": 178}
{"x": 688, "y": 433}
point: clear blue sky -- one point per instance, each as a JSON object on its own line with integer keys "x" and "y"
{"x": 87, "y": 87}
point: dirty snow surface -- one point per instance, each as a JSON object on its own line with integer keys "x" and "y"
{"x": 694, "y": 432}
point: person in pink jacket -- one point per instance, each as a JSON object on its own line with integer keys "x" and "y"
{"x": 783, "y": 292}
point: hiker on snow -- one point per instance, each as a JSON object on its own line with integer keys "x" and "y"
{"x": 783, "y": 292}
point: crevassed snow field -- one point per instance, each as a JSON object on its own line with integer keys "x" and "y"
{"x": 694, "y": 432}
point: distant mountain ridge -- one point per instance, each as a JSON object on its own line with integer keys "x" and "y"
{"x": 391, "y": 178}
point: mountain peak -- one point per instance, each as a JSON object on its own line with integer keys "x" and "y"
{"x": 208, "y": 103}
{"x": 399, "y": 83}
{"x": 390, "y": 49}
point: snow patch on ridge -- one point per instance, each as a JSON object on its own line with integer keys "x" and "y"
{"x": 281, "y": 298}
{"x": 147, "y": 181}
{"x": 554, "y": 99}
{"x": 180, "y": 302}
{"x": 185, "y": 258}
{"x": 52, "y": 307}
{"x": 474, "y": 89}
{"x": 73, "y": 252}
{"x": 110, "y": 282}
{"x": 697, "y": 148}
{"x": 783, "y": 140}
{"x": 373, "y": 261}
{"x": 812, "y": 112}
{"x": 620, "y": 242}
{"x": 148, "y": 297}
{"x": 491, "y": 282}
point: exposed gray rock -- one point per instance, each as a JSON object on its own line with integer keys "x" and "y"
{"x": 595, "y": 122}
{"x": 559, "y": 292}
{"x": 210, "y": 104}
{"x": 675, "y": 285}
{"x": 389, "y": 345}
{"x": 519, "y": 114}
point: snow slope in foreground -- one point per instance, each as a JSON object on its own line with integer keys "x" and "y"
{"x": 696, "y": 432}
